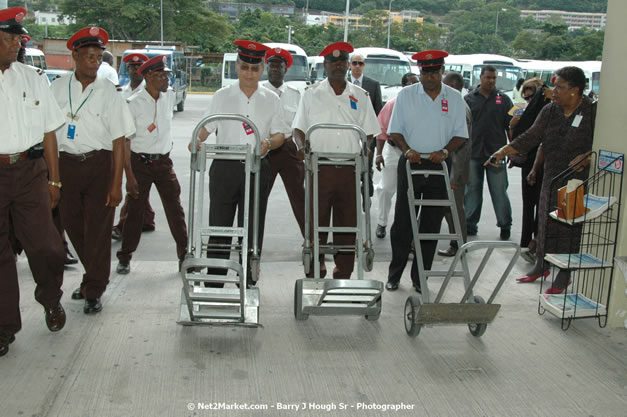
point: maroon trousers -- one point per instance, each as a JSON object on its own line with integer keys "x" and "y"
{"x": 337, "y": 194}
{"x": 148, "y": 220}
{"x": 24, "y": 196}
{"x": 85, "y": 216}
{"x": 285, "y": 162}
{"x": 160, "y": 173}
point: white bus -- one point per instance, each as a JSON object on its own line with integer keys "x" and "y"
{"x": 35, "y": 58}
{"x": 545, "y": 70}
{"x": 386, "y": 66}
{"x": 297, "y": 74}
{"x": 316, "y": 68}
{"x": 469, "y": 66}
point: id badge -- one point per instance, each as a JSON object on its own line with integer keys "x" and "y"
{"x": 499, "y": 100}
{"x": 71, "y": 130}
{"x": 249, "y": 130}
{"x": 445, "y": 106}
{"x": 151, "y": 127}
{"x": 577, "y": 120}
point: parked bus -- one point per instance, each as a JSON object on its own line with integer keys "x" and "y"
{"x": 545, "y": 70}
{"x": 386, "y": 66}
{"x": 176, "y": 62}
{"x": 508, "y": 70}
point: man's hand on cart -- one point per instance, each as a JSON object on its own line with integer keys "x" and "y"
{"x": 202, "y": 136}
{"x": 412, "y": 156}
{"x": 437, "y": 157}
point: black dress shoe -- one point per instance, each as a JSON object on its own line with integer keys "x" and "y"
{"x": 92, "y": 306}
{"x": 148, "y": 228}
{"x": 5, "y": 341}
{"x": 417, "y": 288}
{"x": 505, "y": 233}
{"x": 450, "y": 251}
{"x": 116, "y": 233}
{"x": 391, "y": 286}
{"x": 77, "y": 294}
{"x": 69, "y": 258}
{"x": 123, "y": 268}
{"x": 380, "y": 231}
{"x": 55, "y": 318}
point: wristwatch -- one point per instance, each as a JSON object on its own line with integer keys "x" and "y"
{"x": 445, "y": 152}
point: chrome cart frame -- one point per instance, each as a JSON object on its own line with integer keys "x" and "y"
{"x": 337, "y": 296}
{"x": 220, "y": 306}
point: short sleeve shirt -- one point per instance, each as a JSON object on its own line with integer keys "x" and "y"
{"x": 263, "y": 108}
{"x": 107, "y": 71}
{"x": 153, "y": 121}
{"x": 101, "y": 114}
{"x": 127, "y": 91}
{"x": 28, "y": 108}
{"x": 489, "y": 122}
{"x": 290, "y": 98}
{"x": 428, "y": 125}
{"x": 320, "y": 104}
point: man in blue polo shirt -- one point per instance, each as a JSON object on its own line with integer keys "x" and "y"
{"x": 429, "y": 119}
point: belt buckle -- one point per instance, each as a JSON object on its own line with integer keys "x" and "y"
{"x": 13, "y": 158}
{"x": 82, "y": 157}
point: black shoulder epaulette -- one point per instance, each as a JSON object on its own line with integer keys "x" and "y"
{"x": 40, "y": 71}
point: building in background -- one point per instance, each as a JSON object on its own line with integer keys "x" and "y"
{"x": 574, "y": 20}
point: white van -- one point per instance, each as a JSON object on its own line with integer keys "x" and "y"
{"x": 545, "y": 70}
{"x": 386, "y": 66}
{"x": 316, "y": 69}
{"x": 229, "y": 76}
{"x": 35, "y": 58}
{"x": 508, "y": 70}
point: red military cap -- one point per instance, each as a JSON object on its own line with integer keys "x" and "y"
{"x": 250, "y": 51}
{"x": 135, "y": 59}
{"x": 280, "y": 53}
{"x": 11, "y": 20}
{"x": 90, "y": 36}
{"x": 25, "y": 39}
{"x": 430, "y": 60}
{"x": 337, "y": 50}
{"x": 157, "y": 63}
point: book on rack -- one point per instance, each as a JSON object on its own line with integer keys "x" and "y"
{"x": 571, "y": 305}
{"x": 595, "y": 206}
{"x": 575, "y": 260}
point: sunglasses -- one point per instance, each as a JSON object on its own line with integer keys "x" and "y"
{"x": 358, "y": 63}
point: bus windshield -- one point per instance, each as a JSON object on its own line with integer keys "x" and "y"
{"x": 387, "y": 71}
{"x": 297, "y": 72}
{"x": 506, "y": 76}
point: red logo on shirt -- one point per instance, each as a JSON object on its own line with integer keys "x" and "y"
{"x": 249, "y": 130}
{"x": 499, "y": 100}
{"x": 445, "y": 106}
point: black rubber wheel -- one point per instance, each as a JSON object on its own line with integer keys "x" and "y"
{"x": 181, "y": 105}
{"x": 412, "y": 305}
{"x": 478, "y": 330}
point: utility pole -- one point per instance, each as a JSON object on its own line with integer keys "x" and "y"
{"x": 161, "y": 22}
{"x": 348, "y": 2}
{"x": 389, "y": 22}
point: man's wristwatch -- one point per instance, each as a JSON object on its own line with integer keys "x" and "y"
{"x": 445, "y": 152}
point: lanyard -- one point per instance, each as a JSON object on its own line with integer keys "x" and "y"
{"x": 69, "y": 87}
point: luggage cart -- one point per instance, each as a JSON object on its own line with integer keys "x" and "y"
{"x": 337, "y": 296}
{"x": 220, "y": 306}
{"x": 472, "y": 309}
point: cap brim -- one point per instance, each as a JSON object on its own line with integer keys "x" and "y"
{"x": 15, "y": 29}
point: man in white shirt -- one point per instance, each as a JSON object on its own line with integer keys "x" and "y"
{"x": 133, "y": 62}
{"x": 285, "y": 160}
{"x": 29, "y": 184}
{"x": 227, "y": 179}
{"x": 106, "y": 69}
{"x": 336, "y": 101}
{"x": 428, "y": 119}
{"x": 91, "y": 160}
{"x": 149, "y": 150}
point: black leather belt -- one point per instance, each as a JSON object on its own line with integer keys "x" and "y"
{"x": 80, "y": 156}
{"x": 34, "y": 152}
{"x": 153, "y": 156}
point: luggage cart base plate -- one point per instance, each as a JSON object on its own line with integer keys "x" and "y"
{"x": 217, "y": 313}
{"x": 455, "y": 313}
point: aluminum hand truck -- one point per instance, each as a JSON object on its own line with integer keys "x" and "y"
{"x": 472, "y": 309}
{"x": 221, "y": 306}
{"x": 337, "y": 296}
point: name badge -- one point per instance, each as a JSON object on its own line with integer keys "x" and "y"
{"x": 577, "y": 120}
{"x": 445, "y": 106}
{"x": 151, "y": 127}
{"x": 353, "y": 101}
{"x": 249, "y": 130}
{"x": 499, "y": 100}
{"x": 71, "y": 130}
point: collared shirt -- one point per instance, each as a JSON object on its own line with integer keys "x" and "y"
{"x": 384, "y": 119}
{"x": 490, "y": 122}
{"x": 320, "y": 104}
{"x": 360, "y": 79}
{"x": 102, "y": 118}
{"x": 127, "y": 91}
{"x": 290, "y": 98}
{"x": 263, "y": 108}
{"x": 153, "y": 121}
{"x": 27, "y": 109}
{"x": 428, "y": 125}
{"x": 107, "y": 71}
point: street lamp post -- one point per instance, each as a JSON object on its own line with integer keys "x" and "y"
{"x": 389, "y": 22}
{"x": 348, "y": 2}
{"x": 161, "y": 22}
{"x": 496, "y": 28}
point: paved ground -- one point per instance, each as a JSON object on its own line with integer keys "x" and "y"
{"x": 133, "y": 359}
